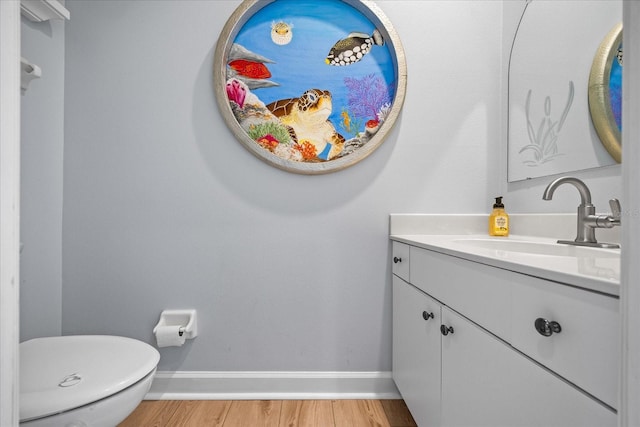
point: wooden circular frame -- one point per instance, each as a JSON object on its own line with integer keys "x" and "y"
{"x": 231, "y": 29}
{"x": 600, "y": 97}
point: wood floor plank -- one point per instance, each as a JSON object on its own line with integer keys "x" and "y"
{"x": 199, "y": 413}
{"x": 254, "y": 413}
{"x": 359, "y": 413}
{"x": 287, "y": 413}
{"x": 397, "y": 413}
{"x": 151, "y": 413}
{"x": 306, "y": 413}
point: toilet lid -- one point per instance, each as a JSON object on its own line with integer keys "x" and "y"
{"x": 62, "y": 373}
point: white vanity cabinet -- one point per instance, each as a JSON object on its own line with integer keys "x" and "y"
{"x": 460, "y": 367}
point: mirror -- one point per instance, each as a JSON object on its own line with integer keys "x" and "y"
{"x": 550, "y": 125}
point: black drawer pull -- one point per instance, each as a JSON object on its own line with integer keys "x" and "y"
{"x": 547, "y": 328}
{"x": 396, "y": 259}
{"x": 445, "y": 331}
{"x": 427, "y": 316}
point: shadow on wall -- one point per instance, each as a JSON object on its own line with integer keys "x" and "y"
{"x": 262, "y": 184}
{"x": 42, "y": 27}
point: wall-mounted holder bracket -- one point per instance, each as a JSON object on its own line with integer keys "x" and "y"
{"x": 186, "y": 319}
{"x": 28, "y": 72}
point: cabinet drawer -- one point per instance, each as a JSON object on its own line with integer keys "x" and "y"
{"x": 586, "y": 350}
{"x": 400, "y": 260}
{"x": 477, "y": 291}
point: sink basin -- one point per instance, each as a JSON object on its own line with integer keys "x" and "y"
{"x": 538, "y": 248}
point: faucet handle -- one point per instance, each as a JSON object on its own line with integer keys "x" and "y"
{"x": 605, "y": 221}
{"x": 615, "y": 208}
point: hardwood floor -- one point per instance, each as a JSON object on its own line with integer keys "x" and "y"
{"x": 270, "y": 413}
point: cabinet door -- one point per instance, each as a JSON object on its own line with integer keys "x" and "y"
{"x": 485, "y": 382}
{"x": 416, "y": 351}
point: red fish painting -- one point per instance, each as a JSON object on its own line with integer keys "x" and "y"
{"x": 251, "y": 69}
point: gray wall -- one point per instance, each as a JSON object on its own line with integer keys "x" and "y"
{"x": 164, "y": 209}
{"x": 41, "y": 179}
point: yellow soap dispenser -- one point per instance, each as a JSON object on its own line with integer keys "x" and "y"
{"x": 498, "y": 220}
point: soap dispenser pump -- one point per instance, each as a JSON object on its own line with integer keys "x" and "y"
{"x": 498, "y": 220}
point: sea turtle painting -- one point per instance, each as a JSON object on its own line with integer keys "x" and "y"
{"x": 308, "y": 116}
{"x": 290, "y": 103}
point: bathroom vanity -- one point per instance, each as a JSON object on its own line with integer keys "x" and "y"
{"x": 494, "y": 331}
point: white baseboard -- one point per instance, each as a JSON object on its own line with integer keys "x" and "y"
{"x": 197, "y": 385}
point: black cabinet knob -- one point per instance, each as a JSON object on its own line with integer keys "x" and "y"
{"x": 427, "y": 316}
{"x": 446, "y": 330}
{"x": 546, "y": 327}
{"x": 396, "y": 259}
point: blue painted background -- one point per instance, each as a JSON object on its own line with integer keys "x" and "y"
{"x": 300, "y": 65}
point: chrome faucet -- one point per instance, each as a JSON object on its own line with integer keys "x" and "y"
{"x": 588, "y": 221}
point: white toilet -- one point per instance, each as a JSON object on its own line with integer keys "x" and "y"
{"x": 83, "y": 380}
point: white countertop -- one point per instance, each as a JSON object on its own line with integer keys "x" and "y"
{"x": 598, "y": 271}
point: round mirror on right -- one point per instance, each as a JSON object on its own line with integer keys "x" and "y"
{"x": 605, "y": 92}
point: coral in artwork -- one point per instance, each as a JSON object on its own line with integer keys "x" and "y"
{"x": 276, "y": 131}
{"x": 367, "y": 95}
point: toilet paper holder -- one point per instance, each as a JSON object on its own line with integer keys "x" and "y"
{"x": 185, "y": 319}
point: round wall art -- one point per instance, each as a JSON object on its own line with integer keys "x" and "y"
{"x": 605, "y": 92}
{"x": 310, "y": 87}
